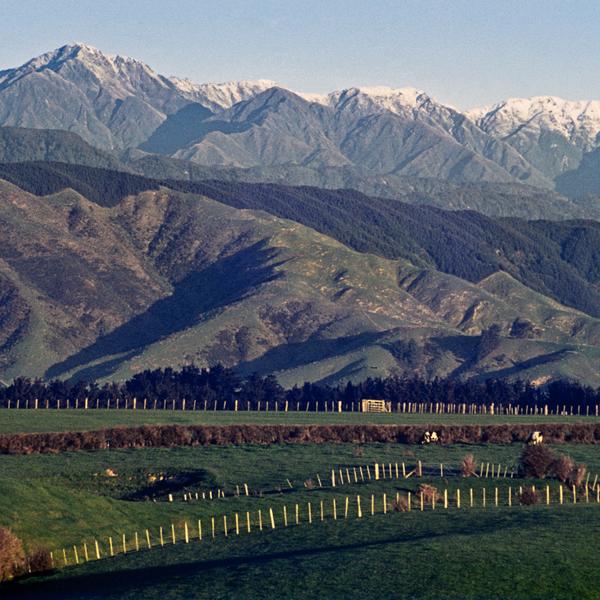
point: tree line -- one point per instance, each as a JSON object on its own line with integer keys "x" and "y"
{"x": 212, "y": 387}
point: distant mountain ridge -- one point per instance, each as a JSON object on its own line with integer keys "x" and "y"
{"x": 119, "y": 103}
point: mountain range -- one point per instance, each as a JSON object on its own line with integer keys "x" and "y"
{"x": 121, "y": 105}
{"x": 149, "y": 221}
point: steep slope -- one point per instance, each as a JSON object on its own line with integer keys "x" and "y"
{"x": 555, "y": 259}
{"x": 584, "y": 181}
{"x": 413, "y": 105}
{"x": 274, "y": 128}
{"x": 165, "y": 278}
{"x": 278, "y": 127}
{"x": 551, "y": 133}
{"x": 22, "y": 145}
{"x": 111, "y": 101}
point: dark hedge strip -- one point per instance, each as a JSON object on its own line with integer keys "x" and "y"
{"x": 168, "y": 436}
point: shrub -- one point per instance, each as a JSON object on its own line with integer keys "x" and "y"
{"x": 12, "y": 556}
{"x": 429, "y": 493}
{"x": 563, "y": 468}
{"x": 468, "y": 466}
{"x": 400, "y": 504}
{"x": 537, "y": 461}
{"x": 39, "y": 561}
{"x": 528, "y": 497}
{"x": 578, "y": 474}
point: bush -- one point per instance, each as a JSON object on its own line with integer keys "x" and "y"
{"x": 468, "y": 466}
{"x": 578, "y": 474}
{"x": 537, "y": 461}
{"x": 528, "y": 497}
{"x": 12, "y": 556}
{"x": 563, "y": 468}
{"x": 39, "y": 561}
{"x": 429, "y": 493}
{"x": 400, "y": 504}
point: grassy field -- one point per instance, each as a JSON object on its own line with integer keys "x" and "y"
{"x": 56, "y": 501}
{"x": 526, "y": 553}
{"x": 14, "y": 421}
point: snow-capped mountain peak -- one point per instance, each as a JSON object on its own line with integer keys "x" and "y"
{"x": 577, "y": 120}
{"x": 219, "y": 96}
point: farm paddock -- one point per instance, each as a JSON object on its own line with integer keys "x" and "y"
{"x": 70, "y": 498}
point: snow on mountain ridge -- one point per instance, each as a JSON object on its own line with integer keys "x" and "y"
{"x": 577, "y": 120}
{"x": 218, "y": 96}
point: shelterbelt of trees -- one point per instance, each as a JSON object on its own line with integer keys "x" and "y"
{"x": 218, "y": 387}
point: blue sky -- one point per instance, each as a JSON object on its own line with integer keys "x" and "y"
{"x": 462, "y": 52}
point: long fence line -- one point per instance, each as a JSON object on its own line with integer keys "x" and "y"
{"x": 235, "y": 405}
{"x": 342, "y": 508}
{"x": 353, "y": 474}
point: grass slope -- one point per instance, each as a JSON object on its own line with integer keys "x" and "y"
{"x": 472, "y": 553}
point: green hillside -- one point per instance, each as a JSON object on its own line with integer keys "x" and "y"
{"x": 164, "y": 278}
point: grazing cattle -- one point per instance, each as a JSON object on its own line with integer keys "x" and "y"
{"x": 535, "y": 438}
{"x": 430, "y": 437}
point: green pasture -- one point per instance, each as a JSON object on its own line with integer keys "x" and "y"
{"x": 57, "y": 501}
{"x": 16, "y": 421}
{"x": 503, "y": 554}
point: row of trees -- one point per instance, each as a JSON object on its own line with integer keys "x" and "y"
{"x": 218, "y": 384}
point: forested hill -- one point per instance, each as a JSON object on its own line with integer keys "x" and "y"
{"x": 557, "y": 259}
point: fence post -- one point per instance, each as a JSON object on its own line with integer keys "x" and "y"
{"x": 248, "y": 521}
{"x": 471, "y": 502}
{"x": 446, "y": 498}
{"x": 161, "y": 537}
{"x": 422, "y": 502}
{"x": 237, "y": 524}
{"x": 483, "y": 497}
{"x": 186, "y": 532}
{"x": 510, "y": 496}
{"x": 409, "y": 501}
{"x": 272, "y": 517}
{"x": 358, "y": 507}
{"x": 547, "y": 494}
{"x": 384, "y": 504}
{"x": 297, "y": 514}
{"x": 346, "y": 507}
{"x": 97, "y": 548}
{"x": 285, "y": 518}
{"x": 457, "y": 498}
{"x": 136, "y": 541}
{"x": 322, "y": 511}
{"x": 148, "y": 540}
{"x": 110, "y": 546}
{"x": 260, "y": 521}
{"x": 85, "y": 552}
{"x": 173, "y": 533}
{"x": 334, "y": 510}
{"x": 225, "y": 525}
{"x": 560, "y": 494}
{"x": 574, "y": 495}
{"x": 309, "y": 513}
